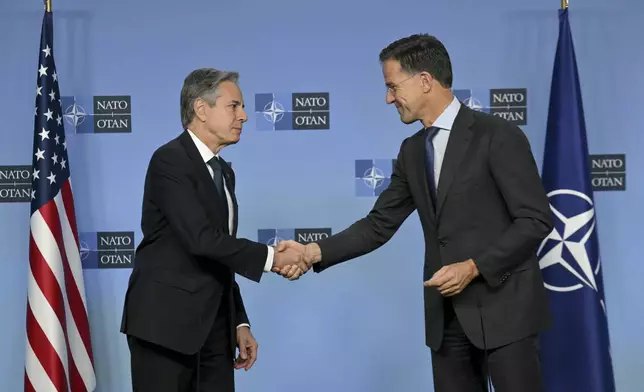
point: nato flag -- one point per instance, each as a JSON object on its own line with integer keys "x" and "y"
{"x": 576, "y": 351}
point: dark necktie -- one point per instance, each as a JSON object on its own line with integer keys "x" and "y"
{"x": 218, "y": 177}
{"x": 429, "y": 161}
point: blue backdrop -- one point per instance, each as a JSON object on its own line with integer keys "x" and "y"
{"x": 359, "y": 326}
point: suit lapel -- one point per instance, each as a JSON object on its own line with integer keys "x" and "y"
{"x": 457, "y": 145}
{"x": 203, "y": 173}
{"x": 419, "y": 155}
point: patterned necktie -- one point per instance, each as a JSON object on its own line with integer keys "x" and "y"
{"x": 429, "y": 161}
{"x": 218, "y": 177}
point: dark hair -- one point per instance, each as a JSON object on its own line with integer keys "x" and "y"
{"x": 421, "y": 53}
{"x": 202, "y": 83}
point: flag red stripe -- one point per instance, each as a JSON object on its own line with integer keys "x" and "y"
{"x": 75, "y": 380}
{"x": 46, "y": 280}
{"x": 50, "y": 214}
{"x": 45, "y": 353}
{"x": 28, "y": 386}
{"x": 68, "y": 202}
{"x": 49, "y": 285}
{"x": 75, "y": 301}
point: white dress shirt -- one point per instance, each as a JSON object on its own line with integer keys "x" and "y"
{"x": 207, "y": 155}
{"x": 444, "y": 122}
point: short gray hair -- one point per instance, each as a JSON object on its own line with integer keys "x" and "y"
{"x": 202, "y": 83}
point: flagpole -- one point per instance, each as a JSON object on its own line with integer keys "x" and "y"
{"x": 564, "y": 4}
{"x": 48, "y": 5}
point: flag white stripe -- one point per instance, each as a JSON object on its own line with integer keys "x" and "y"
{"x": 79, "y": 353}
{"x": 43, "y": 312}
{"x": 46, "y": 243}
{"x": 76, "y": 344}
{"x": 36, "y": 373}
{"x": 47, "y": 320}
{"x": 71, "y": 248}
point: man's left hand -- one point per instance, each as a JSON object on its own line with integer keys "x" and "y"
{"x": 452, "y": 279}
{"x": 247, "y": 349}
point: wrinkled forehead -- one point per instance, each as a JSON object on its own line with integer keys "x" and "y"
{"x": 229, "y": 92}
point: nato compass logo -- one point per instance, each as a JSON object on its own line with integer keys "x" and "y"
{"x": 571, "y": 248}
{"x": 509, "y": 103}
{"x": 373, "y": 176}
{"x": 107, "y": 249}
{"x": 98, "y": 114}
{"x": 272, "y": 237}
{"x": 287, "y": 112}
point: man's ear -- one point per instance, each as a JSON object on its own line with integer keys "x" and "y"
{"x": 426, "y": 81}
{"x": 200, "y": 107}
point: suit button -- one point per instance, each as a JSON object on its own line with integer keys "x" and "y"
{"x": 442, "y": 243}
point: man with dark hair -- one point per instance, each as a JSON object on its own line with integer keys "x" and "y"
{"x": 474, "y": 182}
{"x": 184, "y": 316}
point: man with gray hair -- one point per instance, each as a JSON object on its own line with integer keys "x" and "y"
{"x": 183, "y": 315}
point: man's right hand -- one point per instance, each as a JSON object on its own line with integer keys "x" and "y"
{"x": 310, "y": 254}
{"x": 290, "y": 260}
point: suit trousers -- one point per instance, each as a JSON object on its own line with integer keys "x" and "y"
{"x": 459, "y": 366}
{"x": 158, "y": 369}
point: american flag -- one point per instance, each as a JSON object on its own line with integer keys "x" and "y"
{"x": 58, "y": 350}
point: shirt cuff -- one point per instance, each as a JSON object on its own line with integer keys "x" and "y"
{"x": 243, "y": 325}
{"x": 269, "y": 259}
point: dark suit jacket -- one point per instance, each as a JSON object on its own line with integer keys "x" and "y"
{"x": 186, "y": 262}
{"x": 491, "y": 207}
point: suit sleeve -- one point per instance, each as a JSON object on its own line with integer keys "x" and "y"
{"x": 517, "y": 178}
{"x": 175, "y": 195}
{"x": 389, "y": 212}
{"x": 240, "y": 311}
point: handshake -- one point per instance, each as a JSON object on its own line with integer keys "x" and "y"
{"x": 293, "y": 259}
